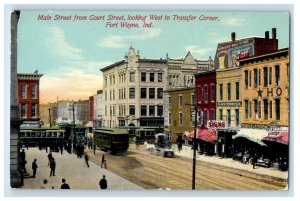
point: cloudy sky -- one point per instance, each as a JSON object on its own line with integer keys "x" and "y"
{"x": 70, "y": 53}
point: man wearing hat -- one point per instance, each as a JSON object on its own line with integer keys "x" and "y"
{"x": 64, "y": 185}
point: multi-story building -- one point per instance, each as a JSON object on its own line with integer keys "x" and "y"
{"x": 65, "y": 112}
{"x": 98, "y": 109}
{"x": 133, "y": 87}
{"x": 48, "y": 114}
{"x": 265, "y": 99}
{"x": 180, "y": 112}
{"x": 206, "y": 100}
{"x": 28, "y": 98}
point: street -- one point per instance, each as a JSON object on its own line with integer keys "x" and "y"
{"x": 143, "y": 170}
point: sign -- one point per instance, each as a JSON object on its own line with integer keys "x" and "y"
{"x": 216, "y": 124}
{"x": 239, "y": 52}
{"x": 229, "y": 104}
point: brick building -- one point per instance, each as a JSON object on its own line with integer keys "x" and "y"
{"x": 28, "y": 95}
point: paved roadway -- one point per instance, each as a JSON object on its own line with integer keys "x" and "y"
{"x": 142, "y": 170}
{"x": 74, "y": 170}
{"x": 153, "y": 172}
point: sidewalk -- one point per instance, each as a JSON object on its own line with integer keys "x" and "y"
{"x": 74, "y": 170}
{"x": 229, "y": 162}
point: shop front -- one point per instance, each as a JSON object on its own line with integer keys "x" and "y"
{"x": 278, "y": 145}
{"x": 207, "y": 141}
{"x": 225, "y": 142}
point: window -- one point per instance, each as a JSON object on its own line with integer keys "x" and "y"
{"x": 160, "y": 93}
{"x": 193, "y": 99}
{"x": 205, "y": 117}
{"x": 124, "y": 93}
{"x": 277, "y": 107}
{"x": 151, "y": 77}
{"x": 131, "y": 74}
{"x": 34, "y": 91}
{"x": 105, "y": 110}
{"x": 151, "y": 110}
{"x": 170, "y": 118}
{"x": 259, "y": 77}
{"x": 120, "y": 94}
{"x": 201, "y": 117}
{"x": 200, "y": 94}
{"x": 237, "y": 91}
{"x": 206, "y": 93}
{"x": 170, "y": 102}
{"x": 256, "y": 109}
{"x": 105, "y": 81}
{"x": 213, "y": 93}
{"x": 221, "y": 91}
{"x": 131, "y": 109}
{"x": 143, "y": 92}
{"x": 221, "y": 114}
{"x": 113, "y": 94}
{"x": 259, "y": 109}
{"x": 270, "y": 75}
{"x": 151, "y": 93}
{"x": 131, "y": 93}
{"x": 143, "y": 77}
{"x": 34, "y": 110}
{"x": 265, "y": 76}
{"x": 271, "y": 110}
{"x": 159, "y": 77}
{"x": 229, "y": 118}
{"x": 250, "y": 78}
{"x": 143, "y": 110}
{"x": 265, "y": 108}
{"x": 24, "y": 110}
{"x": 24, "y": 91}
{"x": 237, "y": 117}
{"x": 246, "y": 109}
{"x": 160, "y": 110}
{"x": 255, "y": 78}
{"x": 120, "y": 110}
{"x": 213, "y": 114}
{"x": 229, "y": 91}
{"x": 246, "y": 79}
{"x": 105, "y": 96}
{"x": 180, "y": 118}
{"x": 277, "y": 75}
{"x": 180, "y": 101}
{"x": 250, "y": 109}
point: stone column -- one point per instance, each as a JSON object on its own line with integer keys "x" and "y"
{"x": 15, "y": 176}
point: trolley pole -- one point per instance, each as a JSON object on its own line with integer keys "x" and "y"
{"x": 194, "y": 148}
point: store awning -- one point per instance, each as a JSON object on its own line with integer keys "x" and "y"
{"x": 90, "y": 124}
{"x": 207, "y": 135}
{"x": 254, "y": 135}
{"x": 281, "y": 137}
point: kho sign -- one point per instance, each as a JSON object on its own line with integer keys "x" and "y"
{"x": 216, "y": 124}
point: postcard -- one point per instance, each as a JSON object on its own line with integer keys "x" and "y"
{"x": 149, "y": 100}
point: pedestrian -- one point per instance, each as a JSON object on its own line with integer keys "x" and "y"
{"x": 254, "y": 160}
{"x": 34, "y": 167}
{"x": 44, "y": 184}
{"x": 61, "y": 148}
{"x": 52, "y": 167}
{"x": 50, "y": 158}
{"x": 23, "y": 160}
{"x": 64, "y": 185}
{"x": 102, "y": 161}
{"x": 103, "y": 183}
{"x": 86, "y": 158}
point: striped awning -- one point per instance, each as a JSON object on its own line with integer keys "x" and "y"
{"x": 281, "y": 137}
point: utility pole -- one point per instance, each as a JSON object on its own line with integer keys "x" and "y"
{"x": 49, "y": 109}
{"x": 194, "y": 144}
{"x": 74, "y": 123}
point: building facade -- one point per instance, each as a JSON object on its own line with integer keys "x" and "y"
{"x": 206, "y": 100}
{"x": 98, "y": 109}
{"x": 48, "y": 114}
{"x": 133, "y": 88}
{"x": 65, "y": 112}
{"x": 28, "y": 95}
{"x": 180, "y": 112}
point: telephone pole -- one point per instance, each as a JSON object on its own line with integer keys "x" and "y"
{"x": 74, "y": 123}
{"x": 49, "y": 109}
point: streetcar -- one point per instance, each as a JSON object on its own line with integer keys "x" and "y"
{"x": 79, "y": 134}
{"x": 145, "y": 135}
{"x": 41, "y": 137}
{"x": 116, "y": 141}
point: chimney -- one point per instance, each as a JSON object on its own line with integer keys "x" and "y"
{"x": 233, "y": 36}
{"x": 267, "y": 35}
{"x": 273, "y": 33}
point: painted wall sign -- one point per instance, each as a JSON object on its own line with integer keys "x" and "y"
{"x": 216, "y": 124}
{"x": 229, "y": 104}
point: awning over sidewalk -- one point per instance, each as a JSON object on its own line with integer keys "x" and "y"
{"x": 207, "y": 135}
{"x": 281, "y": 137}
{"x": 254, "y": 135}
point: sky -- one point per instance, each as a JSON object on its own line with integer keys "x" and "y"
{"x": 70, "y": 53}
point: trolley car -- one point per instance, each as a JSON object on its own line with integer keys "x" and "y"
{"x": 145, "y": 134}
{"x": 114, "y": 140}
